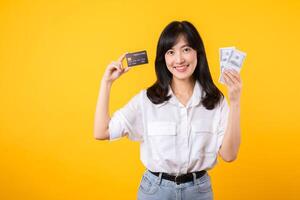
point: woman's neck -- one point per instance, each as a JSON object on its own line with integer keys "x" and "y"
{"x": 183, "y": 88}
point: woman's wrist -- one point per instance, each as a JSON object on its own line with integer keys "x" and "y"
{"x": 106, "y": 82}
{"x": 235, "y": 104}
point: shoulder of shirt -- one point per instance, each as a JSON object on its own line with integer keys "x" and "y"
{"x": 140, "y": 95}
{"x": 143, "y": 94}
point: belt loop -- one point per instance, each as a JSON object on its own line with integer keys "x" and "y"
{"x": 194, "y": 178}
{"x": 158, "y": 180}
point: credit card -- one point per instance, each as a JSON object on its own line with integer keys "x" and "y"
{"x": 136, "y": 58}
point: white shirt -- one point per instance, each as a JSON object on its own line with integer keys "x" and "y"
{"x": 173, "y": 138}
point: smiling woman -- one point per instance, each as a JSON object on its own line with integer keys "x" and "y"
{"x": 181, "y": 57}
{"x": 182, "y": 121}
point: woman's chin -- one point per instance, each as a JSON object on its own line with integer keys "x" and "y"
{"x": 182, "y": 77}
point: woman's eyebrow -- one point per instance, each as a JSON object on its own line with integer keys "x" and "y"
{"x": 185, "y": 45}
{"x": 182, "y": 46}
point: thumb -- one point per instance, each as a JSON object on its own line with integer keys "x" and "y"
{"x": 126, "y": 69}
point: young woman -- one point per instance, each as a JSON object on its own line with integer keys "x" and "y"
{"x": 182, "y": 121}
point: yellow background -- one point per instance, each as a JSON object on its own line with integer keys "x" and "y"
{"x": 53, "y": 55}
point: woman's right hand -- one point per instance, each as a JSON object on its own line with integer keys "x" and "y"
{"x": 114, "y": 70}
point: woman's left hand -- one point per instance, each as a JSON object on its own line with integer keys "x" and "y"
{"x": 234, "y": 85}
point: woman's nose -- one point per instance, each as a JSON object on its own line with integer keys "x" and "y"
{"x": 179, "y": 58}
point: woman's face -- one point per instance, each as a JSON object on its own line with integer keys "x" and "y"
{"x": 181, "y": 59}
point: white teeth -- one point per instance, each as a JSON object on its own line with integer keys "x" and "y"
{"x": 182, "y": 66}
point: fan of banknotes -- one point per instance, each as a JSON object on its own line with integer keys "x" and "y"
{"x": 230, "y": 58}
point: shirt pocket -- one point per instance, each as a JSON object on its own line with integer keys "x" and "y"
{"x": 204, "y": 138}
{"x": 162, "y": 140}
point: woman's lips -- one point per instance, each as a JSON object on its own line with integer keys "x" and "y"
{"x": 181, "y": 68}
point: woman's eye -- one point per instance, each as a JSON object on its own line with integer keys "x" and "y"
{"x": 186, "y": 49}
{"x": 170, "y": 52}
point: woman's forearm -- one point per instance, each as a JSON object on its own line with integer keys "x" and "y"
{"x": 113, "y": 71}
{"x": 102, "y": 117}
{"x": 232, "y": 137}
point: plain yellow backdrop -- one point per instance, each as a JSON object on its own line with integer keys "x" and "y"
{"x": 53, "y": 55}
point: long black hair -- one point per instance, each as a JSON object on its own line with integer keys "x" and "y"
{"x": 157, "y": 93}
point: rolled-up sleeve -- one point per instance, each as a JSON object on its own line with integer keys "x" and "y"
{"x": 127, "y": 121}
{"x": 224, "y": 114}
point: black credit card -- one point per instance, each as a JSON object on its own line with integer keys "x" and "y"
{"x": 136, "y": 58}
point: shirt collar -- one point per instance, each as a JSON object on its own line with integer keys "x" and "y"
{"x": 194, "y": 100}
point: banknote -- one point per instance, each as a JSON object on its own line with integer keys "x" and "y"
{"x": 230, "y": 58}
{"x": 224, "y": 54}
{"x": 236, "y": 60}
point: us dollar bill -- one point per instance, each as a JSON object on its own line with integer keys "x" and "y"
{"x": 236, "y": 60}
{"x": 230, "y": 58}
{"x": 224, "y": 54}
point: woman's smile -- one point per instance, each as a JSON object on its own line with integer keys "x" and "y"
{"x": 181, "y": 68}
{"x": 181, "y": 59}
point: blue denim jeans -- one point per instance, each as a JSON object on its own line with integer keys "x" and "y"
{"x": 156, "y": 188}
